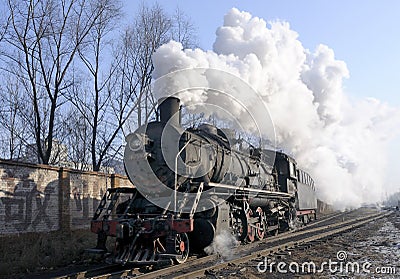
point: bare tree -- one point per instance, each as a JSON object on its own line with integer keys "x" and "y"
{"x": 4, "y": 21}
{"x": 152, "y": 28}
{"x": 77, "y": 139}
{"x": 183, "y": 30}
{"x": 14, "y": 134}
{"x": 63, "y": 53}
{"x": 121, "y": 91}
{"x": 94, "y": 101}
{"x": 43, "y": 40}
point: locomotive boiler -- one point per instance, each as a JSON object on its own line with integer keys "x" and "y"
{"x": 191, "y": 185}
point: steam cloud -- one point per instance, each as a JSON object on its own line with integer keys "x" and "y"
{"x": 343, "y": 144}
{"x": 223, "y": 245}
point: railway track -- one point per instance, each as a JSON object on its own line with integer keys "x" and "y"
{"x": 200, "y": 267}
{"x": 277, "y": 246}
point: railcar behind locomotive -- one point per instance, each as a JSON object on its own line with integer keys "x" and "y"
{"x": 192, "y": 184}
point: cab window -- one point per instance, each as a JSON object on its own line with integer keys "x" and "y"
{"x": 292, "y": 169}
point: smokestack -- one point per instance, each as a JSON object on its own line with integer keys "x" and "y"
{"x": 170, "y": 110}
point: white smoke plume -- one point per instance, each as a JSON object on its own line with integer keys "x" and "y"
{"x": 342, "y": 143}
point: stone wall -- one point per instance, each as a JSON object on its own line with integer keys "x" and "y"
{"x": 39, "y": 198}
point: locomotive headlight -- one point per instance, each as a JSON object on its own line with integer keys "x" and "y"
{"x": 135, "y": 142}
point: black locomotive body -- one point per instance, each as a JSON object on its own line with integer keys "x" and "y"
{"x": 193, "y": 184}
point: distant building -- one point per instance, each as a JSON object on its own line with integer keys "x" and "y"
{"x": 116, "y": 165}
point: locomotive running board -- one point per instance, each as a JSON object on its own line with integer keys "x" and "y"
{"x": 250, "y": 190}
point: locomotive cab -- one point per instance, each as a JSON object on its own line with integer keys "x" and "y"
{"x": 299, "y": 183}
{"x": 287, "y": 174}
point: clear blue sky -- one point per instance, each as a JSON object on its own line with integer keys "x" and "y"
{"x": 364, "y": 34}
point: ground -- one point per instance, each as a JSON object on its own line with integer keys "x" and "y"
{"x": 29, "y": 254}
{"x": 372, "y": 251}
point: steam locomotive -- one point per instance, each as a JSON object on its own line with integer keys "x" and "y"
{"x": 193, "y": 184}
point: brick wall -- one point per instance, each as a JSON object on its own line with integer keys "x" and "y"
{"x": 38, "y": 198}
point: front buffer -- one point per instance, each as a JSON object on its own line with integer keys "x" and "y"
{"x": 143, "y": 236}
